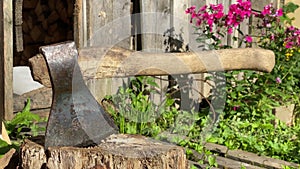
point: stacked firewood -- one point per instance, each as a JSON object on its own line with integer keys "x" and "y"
{"x": 45, "y": 22}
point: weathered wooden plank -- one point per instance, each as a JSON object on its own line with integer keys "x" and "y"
{"x": 2, "y": 79}
{"x": 40, "y": 99}
{"x": 193, "y": 44}
{"x": 247, "y": 157}
{"x": 203, "y": 87}
{"x": 200, "y": 166}
{"x": 78, "y": 23}
{"x": 6, "y": 60}
{"x": 18, "y": 7}
{"x": 259, "y": 160}
{"x": 104, "y": 23}
{"x": 180, "y": 21}
{"x": 19, "y": 38}
{"x": 233, "y": 164}
{"x": 155, "y": 20}
{"x": 122, "y": 23}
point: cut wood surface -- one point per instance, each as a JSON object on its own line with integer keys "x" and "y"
{"x": 118, "y": 62}
{"x": 116, "y": 152}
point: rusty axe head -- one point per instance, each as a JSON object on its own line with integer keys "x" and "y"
{"x": 76, "y": 118}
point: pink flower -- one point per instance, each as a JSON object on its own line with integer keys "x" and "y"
{"x": 190, "y": 10}
{"x": 203, "y": 8}
{"x": 248, "y": 39}
{"x": 219, "y": 15}
{"x": 235, "y": 108}
{"x": 238, "y": 12}
{"x": 291, "y": 28}
{"x": 289, "y": 45}
{"x": 278, "y": 80}
{"x": 218, "y": 7}
{"x": 229, "y": 30}
{"x": 279, "y": 12}
{"x": 266, "y": 10}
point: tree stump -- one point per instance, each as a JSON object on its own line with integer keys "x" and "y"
{"x": 116, "y": 152}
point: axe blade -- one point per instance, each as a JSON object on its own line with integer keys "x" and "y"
{"x": 76, "y": 118}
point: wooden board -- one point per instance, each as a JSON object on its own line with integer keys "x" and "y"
{"x": 246, "y": 158}
{"x": 6, "y": 60}
{"x": 104, "y": 23}
{"x": 18, "y": 20}
{"x": 155, "y": 20}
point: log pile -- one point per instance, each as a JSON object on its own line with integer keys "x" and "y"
{"x": 45, "y": 22}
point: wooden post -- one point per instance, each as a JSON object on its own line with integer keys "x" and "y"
{"x": 6, "y": 60}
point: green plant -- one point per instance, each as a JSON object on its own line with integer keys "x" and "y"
{"x": 24, "y": 121}
{"x": 248, "y": 121}
{"x": 5, "y": 147}
{"x": 135, "y": 113}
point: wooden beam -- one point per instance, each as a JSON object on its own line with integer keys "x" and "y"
{"x": 6, "y": 59}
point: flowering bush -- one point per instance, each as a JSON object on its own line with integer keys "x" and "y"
{"x": 214, "y": 23}
{"x": 272, "y": 30}
{"x": 250, "y": 100}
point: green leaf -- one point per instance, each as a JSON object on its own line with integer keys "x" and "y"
{"x": 290, "y": 7}
{"x": 213, "y": 139}
{"x": 3, "y": 143}
{"x": 212, "y": 160}
{"x": 5, "y": 147}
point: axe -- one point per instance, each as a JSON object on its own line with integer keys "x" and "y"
{"x": 76, "y": 118}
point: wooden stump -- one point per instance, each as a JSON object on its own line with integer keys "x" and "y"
{"x": 116, "y": 152}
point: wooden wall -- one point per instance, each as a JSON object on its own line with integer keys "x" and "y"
{"x": 94, "y": 18}
{"x": 105, "y": 23}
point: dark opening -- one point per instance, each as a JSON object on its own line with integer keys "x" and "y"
{"x": 44, "y": 22}
{"x": 136, "y": 26}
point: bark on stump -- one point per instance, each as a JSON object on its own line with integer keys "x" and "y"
{"x": 116, "y": 152}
